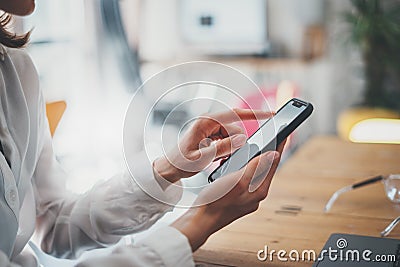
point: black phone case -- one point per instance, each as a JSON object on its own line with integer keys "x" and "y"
{"x": 283, "y": 134}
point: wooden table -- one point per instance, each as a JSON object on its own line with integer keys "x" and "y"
{"x": 306, "y": 181}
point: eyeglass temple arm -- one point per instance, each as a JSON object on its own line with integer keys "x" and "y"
{"x": 390, "y": 227}
{"x": 349, "y": 188}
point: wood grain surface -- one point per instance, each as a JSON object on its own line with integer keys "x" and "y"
{"x": 292, "y": 216}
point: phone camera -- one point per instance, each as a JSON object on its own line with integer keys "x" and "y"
{"x": 297, "y": 104}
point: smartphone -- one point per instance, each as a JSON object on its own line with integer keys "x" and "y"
{"x": 267, "y": 137}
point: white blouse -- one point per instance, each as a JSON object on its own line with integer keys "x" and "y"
{"x": 34, "y": 202}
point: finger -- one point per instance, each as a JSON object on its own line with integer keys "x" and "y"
{"x": 228, "y": 145}
{"x": 227, "y": 130}
{"x": 240, "y": 115}
{"x": 238, "y": 180}
{"x": 281, "y": 146}
{"x": 219, "y": 188}
{"x": 205, "y": 155}
{"x": 259, "y": 166}
{"x": 262, "y": 183}
{"x": 209, "y": 124}
{"x": 260, "y": 191}
{"x": 223, "y": 159}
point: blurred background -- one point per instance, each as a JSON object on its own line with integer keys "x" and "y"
{"x": 94, "y": 54}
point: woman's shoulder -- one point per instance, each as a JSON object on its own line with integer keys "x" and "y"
{"x": 20, "y": 58}
{"x": 24, "y": 67}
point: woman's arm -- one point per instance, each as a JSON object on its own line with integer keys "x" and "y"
{"x": 68, "y": 224}
{"x": 169, "y": 246}
{"x": 164, "y": 247}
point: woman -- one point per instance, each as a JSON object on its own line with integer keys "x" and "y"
{"x": 34, "y": 202}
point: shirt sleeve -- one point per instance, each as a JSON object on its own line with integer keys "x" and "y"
{"x": 68, "y": 224}
{"x": 173, "y": 250}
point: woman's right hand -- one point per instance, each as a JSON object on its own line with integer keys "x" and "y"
{"x": 211, "y": 137}
{"x": 200, "y": 222}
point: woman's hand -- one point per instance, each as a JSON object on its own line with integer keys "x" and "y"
{"x": 211, "y": 137}
{"x": 200, "y": 222}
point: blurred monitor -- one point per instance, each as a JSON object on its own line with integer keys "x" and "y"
{"x": 224, "y": 27}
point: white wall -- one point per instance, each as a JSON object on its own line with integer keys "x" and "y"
{"x": 288, "y": 20}
{"x": 159, "y": 37}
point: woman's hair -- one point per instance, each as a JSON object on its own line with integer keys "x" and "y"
{"x": 8, "y": 38}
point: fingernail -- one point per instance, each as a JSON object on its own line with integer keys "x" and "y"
{"x": 238, "y": 140}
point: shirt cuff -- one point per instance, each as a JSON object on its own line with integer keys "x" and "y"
{"x": 171, "y": 245}
{"x": 141, "y": 170}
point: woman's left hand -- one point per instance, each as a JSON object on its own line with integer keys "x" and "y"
{"x": 210, "y": 138}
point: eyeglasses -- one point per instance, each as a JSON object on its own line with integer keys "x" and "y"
{"x": 392, "y": 189}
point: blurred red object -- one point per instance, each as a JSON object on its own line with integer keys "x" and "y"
{"x": 268, "y": 99}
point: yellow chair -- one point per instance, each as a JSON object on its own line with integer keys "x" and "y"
{"x": 54, "y": 112}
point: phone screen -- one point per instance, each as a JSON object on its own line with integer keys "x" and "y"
{"x": 264, "y": 136}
